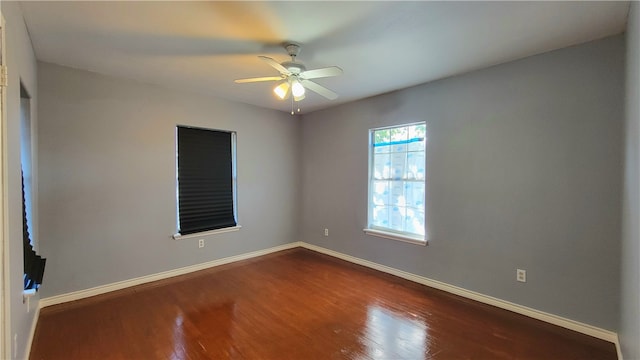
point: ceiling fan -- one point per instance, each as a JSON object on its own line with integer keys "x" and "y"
{"x": 295, "y": 78}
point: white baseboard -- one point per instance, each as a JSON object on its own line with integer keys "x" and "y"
{"x": 618, "y": 348}
{"x": 519, "y": 309}
{"x": 98, "y": 290}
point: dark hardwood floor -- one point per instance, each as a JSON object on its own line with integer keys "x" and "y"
{"x": 297, "y": 304}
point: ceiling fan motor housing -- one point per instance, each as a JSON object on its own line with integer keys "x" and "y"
{"x": 293, "y": 49}
{"x": 294, "y": 67}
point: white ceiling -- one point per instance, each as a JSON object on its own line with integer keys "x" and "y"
{"x": 381, "y": 46}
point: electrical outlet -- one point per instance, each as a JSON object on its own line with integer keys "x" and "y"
{"x": 326, "y": 232}
{"x": 15, "y": 345}
{"x": 200, "y": 243}
{"x": 521, "y": 275}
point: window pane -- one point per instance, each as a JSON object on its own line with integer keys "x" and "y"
{"x": 382, "y": 165}
{"x": 396, "y": 218}
{"x": 415, "y": 165}
{"x": 381, "y": 141}
{"x": 398, "y": 162}
{"x": 380, "y": 193}
{"x": 417, "y": 138}
{"x": 381, "y": 136}
{"x": 417, "y": 131}
{"x": 414, "y": 194}
{"x": 397, "y": 193}
{"x": 414, "y": 221}
{"x": 399, "y": 148}
{"x": 380, "y": 216}
{"x": 416, "y": 144}
{"x": 399, "y": 134}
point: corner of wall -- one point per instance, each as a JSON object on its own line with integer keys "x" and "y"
{"x": 629, "y": 319}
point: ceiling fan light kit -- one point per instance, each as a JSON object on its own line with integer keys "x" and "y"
{"x": 282, "y": 90}
{"x": 295, "y": 77}
{"x": 296, "y": 88}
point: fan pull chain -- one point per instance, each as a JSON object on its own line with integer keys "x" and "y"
{"x": 293, "y": 112}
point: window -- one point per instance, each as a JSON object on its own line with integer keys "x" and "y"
{"x": 33, "y": 263}
{"x": 206, "y": 177}
{"x": 397, "y": 182}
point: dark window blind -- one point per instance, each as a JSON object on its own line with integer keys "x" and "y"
{"x": 205, "y": 180}
{"x": 33, "y": 263}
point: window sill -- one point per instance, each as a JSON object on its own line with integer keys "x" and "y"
{"x": 206, "y": 233}
{"x": 395, "y": 236}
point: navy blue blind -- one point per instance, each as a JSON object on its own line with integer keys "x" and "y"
{"x": 205, "y": 180}
{"x": 33, "y": 263}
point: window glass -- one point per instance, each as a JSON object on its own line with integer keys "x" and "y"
{"x": 397, "y": 179}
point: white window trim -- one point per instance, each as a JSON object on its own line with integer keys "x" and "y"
{"x": 404, "y": 237}
{"x": 179, "y": 236}
{"x": 416, "y": 240}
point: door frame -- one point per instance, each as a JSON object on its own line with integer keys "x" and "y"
{"x": 5, "y": 328}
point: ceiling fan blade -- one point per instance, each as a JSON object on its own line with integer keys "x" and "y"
{"x": 258, "y": 79}
{"x": 321, "y": 73}
{"x": 319, "y": 89}
{"x": 283, "y": 70}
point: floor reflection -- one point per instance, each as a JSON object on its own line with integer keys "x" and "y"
{"x": 206, "y": 330}
{"x": 394, "y": 335}
{"x": 178, "y": 338}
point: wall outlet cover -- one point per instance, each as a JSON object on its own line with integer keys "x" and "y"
{"x": 521, "y": 275}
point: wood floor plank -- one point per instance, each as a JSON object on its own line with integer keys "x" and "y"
{"x": 297, "y": 304}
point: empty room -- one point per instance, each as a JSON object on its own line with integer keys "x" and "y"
{"x": 320, "y": 180}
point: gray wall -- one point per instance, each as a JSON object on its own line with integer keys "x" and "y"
{"x": 524, "y": 170}
{"x": 21, "y": 64}
{"x": 629, "y": 332}
{"x": 107, "y": 178}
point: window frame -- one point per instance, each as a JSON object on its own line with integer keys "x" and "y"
{"x": 383, "y": 232}
{"x": 234, "y": 181}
